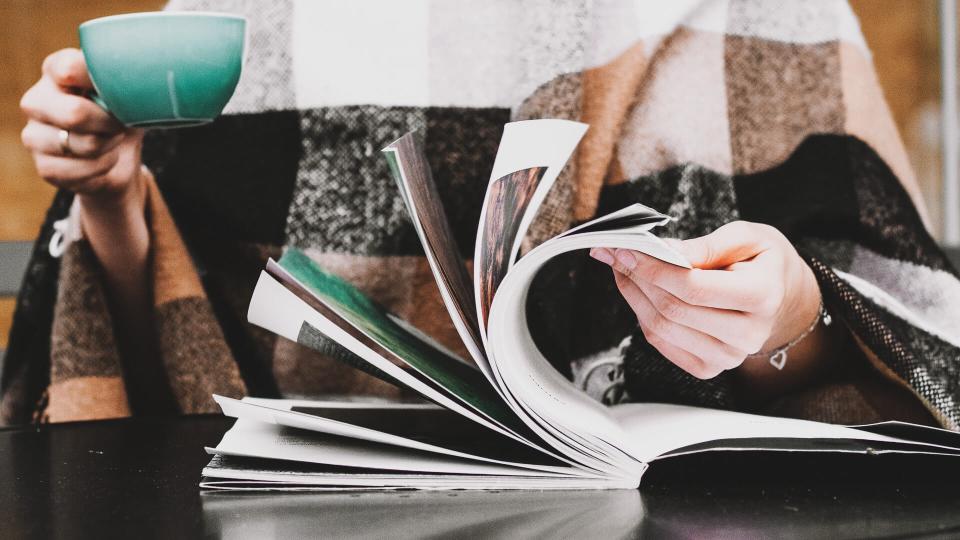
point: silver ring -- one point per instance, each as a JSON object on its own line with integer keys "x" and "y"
{"x": 64, "y": 136}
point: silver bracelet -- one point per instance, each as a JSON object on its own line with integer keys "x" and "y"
{"x": 778, "y": 357}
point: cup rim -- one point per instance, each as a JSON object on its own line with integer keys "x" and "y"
{"x": 151, "y": 14}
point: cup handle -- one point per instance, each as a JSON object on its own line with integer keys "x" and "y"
{"x": 93, "y": 96}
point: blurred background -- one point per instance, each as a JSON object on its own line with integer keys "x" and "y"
{"x": 905, "y": 37}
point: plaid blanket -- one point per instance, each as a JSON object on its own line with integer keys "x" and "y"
{"x": 711, "y": 111}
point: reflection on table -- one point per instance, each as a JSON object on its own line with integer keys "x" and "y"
{"x": 663, "y": 512}
{"x": 419, "y": 514}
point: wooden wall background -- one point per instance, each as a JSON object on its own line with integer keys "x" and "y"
{"x": 30, "y": 30}
{"x": 902, "y": 35}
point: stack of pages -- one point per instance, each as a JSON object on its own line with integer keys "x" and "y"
{"x": 502, "y": 418}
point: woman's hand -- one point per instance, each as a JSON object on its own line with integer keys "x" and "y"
{"x": 100, "y": 159}
{"x": 749, "y": 291}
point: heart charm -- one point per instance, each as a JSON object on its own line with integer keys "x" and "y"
{"x": 778, "y": 359}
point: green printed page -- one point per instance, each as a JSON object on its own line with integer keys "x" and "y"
{"x": 463, "y": 380}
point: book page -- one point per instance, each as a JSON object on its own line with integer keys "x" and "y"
{"x": 655, "y": 429}
{"x": 277, "y": 309}
{"x": 245, "y": 473}
{"x": 642, "y": 431}
{"x": 431, "y": 429}
{"x": 809, "y": 444}
{"x": 253, "y": 438}
{"x": 392, "y": 340}
{"x": 632, "y": 218}
{"x": 562, "y": 412}
{"x": 506, "y": 203}
{"x": 408, "y": 163}
{"x": 530, "y": 157}
{"x": 535, "y": 143}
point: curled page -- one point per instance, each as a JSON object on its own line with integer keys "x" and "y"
{"x": 536, "y": 143}
{"x": 279, "y": 310}
{"x": 549, "y": 400}
{"x": 530, "y": 157}
{"x": 376, "y": 329}
{"x": 507, "y": 200}
{"x": 410, "y": 169}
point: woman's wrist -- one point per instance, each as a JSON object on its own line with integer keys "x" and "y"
{"x": 801, "y": 306}
{"x": 115, "y": 225}
{"x": 109, "y": 205}
{"x": 809, "y": 358}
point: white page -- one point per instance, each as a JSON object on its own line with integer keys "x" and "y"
{"x": 278, "y": 310}
{"x": 253, "y": 438}
{"x": 631, "y": 210}
{"x": 536, "y": 143}
{"x": 913, "y": 450}
{"x": 531, "y": 379}
{"x": 540, "y": 389}
{"x": 657, "y": 428}
{"x": 453, "y": 298}
{"x": 285, "y": 417}
{"x": 464, "y": 382}
{"x": 260, "y": 486}
{"x": 524, "y": 145}
{"x": 345, "y": 402}
{"x": 325, "y": 481}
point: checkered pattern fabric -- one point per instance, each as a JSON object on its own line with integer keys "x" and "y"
{"x": 711, "y": 111}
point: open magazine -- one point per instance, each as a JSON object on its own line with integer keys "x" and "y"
{"x": 502, "y": 418}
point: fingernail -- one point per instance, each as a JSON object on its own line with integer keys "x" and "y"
{"x": 626, "y": 259}
{"x": 603, "y": 255}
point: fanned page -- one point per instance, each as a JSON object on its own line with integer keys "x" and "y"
{"x": 633, "y": 218}
{"x": 526, "y": 144}
{"x": 410, "y": 169}
{"x": 379, "y": 332}
{"x": 530, "y": 157}
{"x": 507, "y": 200}
{"x": 560, "y": 411}
{"x": 384, "y": 441}
{"x": 644, "y": 431}
{"x": 426, "y": 428}
{"x": 281, "y": 311}
{"x": 257, "y": 439}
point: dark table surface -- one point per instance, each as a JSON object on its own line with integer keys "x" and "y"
{"x": 138, "y": 478}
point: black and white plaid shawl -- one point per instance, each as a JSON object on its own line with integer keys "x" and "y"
{"x": 711, "y": 111}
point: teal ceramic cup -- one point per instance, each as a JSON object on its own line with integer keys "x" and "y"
{"x": 164, "y": 69}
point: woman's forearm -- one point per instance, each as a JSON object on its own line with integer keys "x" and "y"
{"x": 116, "y": 227}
